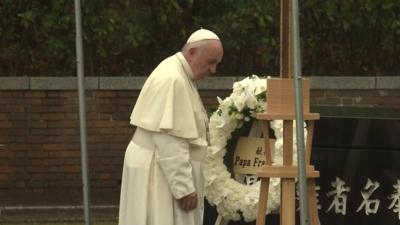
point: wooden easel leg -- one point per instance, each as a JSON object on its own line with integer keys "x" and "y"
{"x": 287, "y": 216}
{"x": 312, "y": 202}
{"x": 262, "y": 203}
{"x": 221, "y": 221}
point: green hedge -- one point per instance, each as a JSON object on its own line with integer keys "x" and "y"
{"x": 131, "y": 36}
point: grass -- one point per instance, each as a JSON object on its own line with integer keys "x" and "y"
{"x": 57, "y": 217}
{"x": 60, "y": 223}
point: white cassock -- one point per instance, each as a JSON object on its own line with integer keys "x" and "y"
{"x": 164, "y": 160}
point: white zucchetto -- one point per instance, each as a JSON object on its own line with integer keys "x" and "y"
{"x": 202, "y": 34}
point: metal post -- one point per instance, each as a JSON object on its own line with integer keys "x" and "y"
{"x": 82, "y": 113}
{"x": 304, "y": 212}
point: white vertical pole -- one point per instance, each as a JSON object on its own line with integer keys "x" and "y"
{"x": 82, "y": 113}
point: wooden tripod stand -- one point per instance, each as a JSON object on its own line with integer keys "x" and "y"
{"x": 280, "y": 106}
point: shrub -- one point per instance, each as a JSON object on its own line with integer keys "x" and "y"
{"x": 130, "y": 37}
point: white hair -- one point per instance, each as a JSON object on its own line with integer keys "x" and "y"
{"x": 198, "y": 44}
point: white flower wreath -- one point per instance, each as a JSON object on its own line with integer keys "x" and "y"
{"x": 232, "y": 198}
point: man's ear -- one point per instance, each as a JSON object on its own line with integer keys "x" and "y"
{"x": 192, "y": 51}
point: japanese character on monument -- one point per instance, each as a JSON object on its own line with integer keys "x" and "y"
{"x": 162, "y": 181}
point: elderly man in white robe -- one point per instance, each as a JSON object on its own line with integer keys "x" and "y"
{"x": 162, "y": 181}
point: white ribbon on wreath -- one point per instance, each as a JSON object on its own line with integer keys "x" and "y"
{"x": 233, "y": 199}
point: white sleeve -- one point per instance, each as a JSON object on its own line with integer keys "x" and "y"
{"x": 172, "y": 155}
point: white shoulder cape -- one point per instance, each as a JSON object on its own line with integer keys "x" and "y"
{"x": 168, "y": 101}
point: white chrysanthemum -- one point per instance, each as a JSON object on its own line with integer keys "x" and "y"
{"x": 251, "y": 101}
